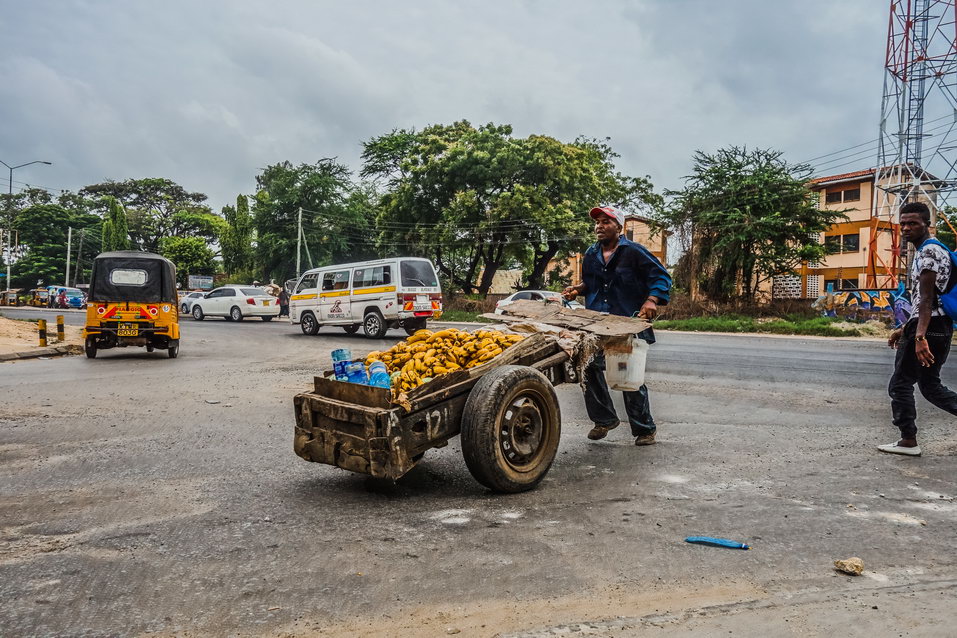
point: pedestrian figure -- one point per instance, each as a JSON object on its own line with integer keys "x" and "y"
{"x": 619, "y": 277}
{"x": 922, "y": 343}
{"x": 283, "y": 302}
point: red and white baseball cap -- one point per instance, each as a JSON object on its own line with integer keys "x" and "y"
{"x": 616, "y": 215}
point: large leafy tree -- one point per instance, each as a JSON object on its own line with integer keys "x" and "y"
{"x": 158, "y": 208}
{"x": 748, "y": 216}
{"x": 42, "y": 229}
{"x": 336, "y": 220}
{"x": 191, "y": 256}
{"x": 478, "y": 199}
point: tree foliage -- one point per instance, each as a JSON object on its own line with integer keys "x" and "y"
{"x": 236, "y": 240}
{"x": 116, "y": 234}
{"x": 336, "y": 220}
{"x": 749, "y": 216}
{"x": 475, "y": 200}
{"x": 158, "y": 208}
{"x": 191, "y": 255}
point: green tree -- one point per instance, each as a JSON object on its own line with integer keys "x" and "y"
{"x": 116, "y": 234}
{"x": 190, "y": 254}
{"x": 42, "y": 230}
{"x": 945, "y": 231}
{"x": 749, "y": 216}
{"x": 158, "y": 208}
{"x": 479, "y": 199}
{"x": 335, "y": 226}
{"x": 237, "y": 237}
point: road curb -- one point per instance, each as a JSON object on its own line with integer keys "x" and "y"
{"x": 54, "y": 351}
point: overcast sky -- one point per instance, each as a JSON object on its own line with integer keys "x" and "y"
{"x": 208, "y": 92}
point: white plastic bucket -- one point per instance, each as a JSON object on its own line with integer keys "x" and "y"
{"x": 625, "y": 363}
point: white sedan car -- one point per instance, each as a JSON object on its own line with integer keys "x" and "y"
{"x": 235, "y": 303}
{"x": 549, "y": 296}
{"x": 186, "y": 300}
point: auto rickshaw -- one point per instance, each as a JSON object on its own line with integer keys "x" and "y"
{"x": 132, "y": 302}
{"x": 10, "y": 297}
{"x": 39, "y": 297}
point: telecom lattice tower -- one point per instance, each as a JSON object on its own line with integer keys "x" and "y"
{"x": 917, "y": 150}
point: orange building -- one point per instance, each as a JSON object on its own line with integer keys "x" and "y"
{"x": 862, "y": 251}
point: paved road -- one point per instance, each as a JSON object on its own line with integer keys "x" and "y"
{"x": 141, "y": 494}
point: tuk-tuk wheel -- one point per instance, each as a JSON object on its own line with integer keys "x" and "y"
{"x": 90, "y": 347}
{"x": 511, "y": 424}
{"x": 149, "y": 347}
{"x": 173, "y": 349}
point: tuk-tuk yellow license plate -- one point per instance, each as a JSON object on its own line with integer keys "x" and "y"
{"x": 127, "y": 330}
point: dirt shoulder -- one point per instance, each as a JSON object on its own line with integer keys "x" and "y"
{"x": 21, "y": 336}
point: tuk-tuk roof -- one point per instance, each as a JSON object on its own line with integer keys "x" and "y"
{"x": 161, "y": 286}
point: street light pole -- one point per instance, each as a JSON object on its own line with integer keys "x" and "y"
{"x": 10, "y": 211}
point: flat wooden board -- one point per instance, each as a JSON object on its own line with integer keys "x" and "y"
{"x": 554, "y": 314}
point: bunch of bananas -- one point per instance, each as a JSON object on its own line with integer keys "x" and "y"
{"x": 427, "y": 354}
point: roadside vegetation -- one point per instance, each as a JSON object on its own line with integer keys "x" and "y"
{"x": 792, "y": 325}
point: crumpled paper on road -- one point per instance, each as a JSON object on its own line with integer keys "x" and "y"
{"x": 853, "y": 566}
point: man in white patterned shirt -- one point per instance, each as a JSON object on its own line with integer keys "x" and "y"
{"x": 923, "y": 343}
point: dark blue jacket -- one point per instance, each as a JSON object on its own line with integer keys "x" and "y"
{"x": 621, "y": 286}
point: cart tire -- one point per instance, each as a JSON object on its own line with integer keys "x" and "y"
{"x": 90, "y": 347}
{"x": 308, "y": 323}
{"x": 198, "y": 313}
{"x": 511, "y": 425}
{"x": 352, "y": 328}
{"x": 374, "y": 325}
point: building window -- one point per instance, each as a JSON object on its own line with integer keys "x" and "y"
{"x": 845, "y": 195}
{"x": 836, "y": 244}
{"x": 840, "y": 284}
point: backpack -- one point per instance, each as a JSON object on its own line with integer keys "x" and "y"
{"x": 947, "y": 297}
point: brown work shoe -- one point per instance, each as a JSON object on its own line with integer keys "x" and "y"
{"x": 601, "y": 431}
{"x": 645, "y": 439}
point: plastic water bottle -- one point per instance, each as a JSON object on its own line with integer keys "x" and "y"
{"x": 379, "y": 375}
{"x": 356, "y": 373}
{"x": 340, "y": 358}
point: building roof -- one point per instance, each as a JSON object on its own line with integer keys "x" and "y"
{"x": 843, "y": 177}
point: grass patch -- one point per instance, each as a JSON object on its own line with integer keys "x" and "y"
{"x": 463, "y": 315}
{"x": 792, "y": 325}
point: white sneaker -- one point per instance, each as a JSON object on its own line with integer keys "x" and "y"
{"x": 893, "y": 448}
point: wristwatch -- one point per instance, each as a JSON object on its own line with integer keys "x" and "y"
{"x": 920, "y": 338}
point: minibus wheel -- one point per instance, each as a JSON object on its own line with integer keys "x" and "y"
{"x": 374, "y": 325}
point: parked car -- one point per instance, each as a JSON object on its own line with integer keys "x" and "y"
{"x": 64, "y": 297}
{"x": 186, "y": 300}
{"x": 533, "y": 295}
{"x": 235, "y": 303}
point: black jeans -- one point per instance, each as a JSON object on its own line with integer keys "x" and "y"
{"x": 599, "y": 405}
{"x": 908, "y": 371}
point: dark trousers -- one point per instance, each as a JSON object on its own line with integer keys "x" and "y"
{"x": 599, "y": 405}
{"x": 908, "y": 371}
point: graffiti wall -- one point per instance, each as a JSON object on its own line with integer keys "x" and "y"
{"x": 891, "y": 307}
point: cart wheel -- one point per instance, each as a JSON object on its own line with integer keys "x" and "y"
{"x": 90, "y": 347}
{"x": 510, "y": 428}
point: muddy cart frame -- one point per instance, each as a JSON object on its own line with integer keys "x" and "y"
{"x": 506, "y": 411}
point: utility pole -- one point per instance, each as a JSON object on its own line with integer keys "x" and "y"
{"x": 299, "y": 245}
{"x": 69, "y": 242}
{"x": 79, "y": 251}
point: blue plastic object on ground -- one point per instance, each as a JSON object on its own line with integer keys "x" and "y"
{"x": 716, "y": 542}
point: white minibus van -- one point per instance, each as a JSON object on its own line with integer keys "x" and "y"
{"x": 377, "y": 295}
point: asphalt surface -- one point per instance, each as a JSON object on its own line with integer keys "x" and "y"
{"x": 143, "y": 495}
